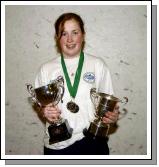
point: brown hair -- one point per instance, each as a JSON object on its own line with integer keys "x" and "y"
{"x": 59, "y": 27}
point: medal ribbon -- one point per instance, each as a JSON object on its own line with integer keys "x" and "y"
{"x": 73, "y": 89}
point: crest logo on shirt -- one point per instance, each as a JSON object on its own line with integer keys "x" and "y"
{"x": 89, "y": 77}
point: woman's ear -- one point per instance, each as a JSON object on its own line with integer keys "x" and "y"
{"x": 83, "y": 43}
{"x": 83, "y": 37}
{"x": 55, "y": 37}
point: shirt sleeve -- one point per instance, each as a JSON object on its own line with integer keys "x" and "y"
{"x": 40, "y": 79}
{"x": 103, "y": 76}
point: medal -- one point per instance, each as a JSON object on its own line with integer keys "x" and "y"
{"x": 72, "y": 106}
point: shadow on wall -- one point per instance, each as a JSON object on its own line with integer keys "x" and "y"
{"x": 37, "y": 110}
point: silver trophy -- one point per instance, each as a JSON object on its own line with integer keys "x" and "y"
{"x": 102, "y": 103}
{"x": 52, "y": 93}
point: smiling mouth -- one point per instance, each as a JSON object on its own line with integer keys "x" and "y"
{"x": 71, "y": 46}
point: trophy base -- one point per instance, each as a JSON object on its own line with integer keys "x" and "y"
{"x": 96, "y": 130}
{"x": 59, "y": 132}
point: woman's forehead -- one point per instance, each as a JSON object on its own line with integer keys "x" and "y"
{"x": 73, "y": 24}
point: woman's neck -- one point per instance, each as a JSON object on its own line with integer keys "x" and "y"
{"x": 70, "y": 57}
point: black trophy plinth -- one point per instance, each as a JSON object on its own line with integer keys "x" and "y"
{"x": 59, "y": 132}
{"x": 98, "y": 131}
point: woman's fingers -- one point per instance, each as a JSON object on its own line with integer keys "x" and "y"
{"x": 111, "y": 117}
{"x": 51, "y": 113}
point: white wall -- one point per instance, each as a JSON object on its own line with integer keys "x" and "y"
{"x": 115, "y": 33}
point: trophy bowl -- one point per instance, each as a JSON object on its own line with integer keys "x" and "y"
{"x": 52, "y": 93}
{"x": 47, "y": 94}
{"x": 103, "y": 103}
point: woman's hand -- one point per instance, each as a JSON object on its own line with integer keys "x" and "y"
{"x": 111, "y": 117}
{"x": 51, "y": 113}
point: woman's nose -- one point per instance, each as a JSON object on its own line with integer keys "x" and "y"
{"x": 69, "y": 39}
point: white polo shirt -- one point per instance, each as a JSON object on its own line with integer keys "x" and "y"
{"x": 95, "y": 74}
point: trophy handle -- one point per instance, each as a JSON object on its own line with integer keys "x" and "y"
{"x": 61, "y": 87}
{"x": 60, "y": 84}
{"x": 124, "y": 110}
{"x": 123, "y": 113}
{"x": 125, "y": 100}
{"x": 94, "y": 98}
{"x": 33, "y": 95}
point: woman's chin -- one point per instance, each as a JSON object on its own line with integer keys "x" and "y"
{"x": 71, "y": 53}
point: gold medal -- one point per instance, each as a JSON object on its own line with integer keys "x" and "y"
{"x": 72, "y": 107}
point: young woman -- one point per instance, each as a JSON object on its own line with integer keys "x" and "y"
{"x": 84, "y": 71}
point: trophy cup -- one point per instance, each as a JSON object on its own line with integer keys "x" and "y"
{"x": 52, "y": 93}
{"x": 102, "y": 103}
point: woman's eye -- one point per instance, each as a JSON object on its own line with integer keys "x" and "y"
{"x": 63, "y": 34}
{"x": 75, "y": 32}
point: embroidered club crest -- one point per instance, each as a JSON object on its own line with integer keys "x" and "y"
{"x": 89, "y": 77}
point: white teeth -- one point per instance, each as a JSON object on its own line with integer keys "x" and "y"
{"x": 71, "y": 46}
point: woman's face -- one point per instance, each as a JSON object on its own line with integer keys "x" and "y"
{"x": 71, "y": 39}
